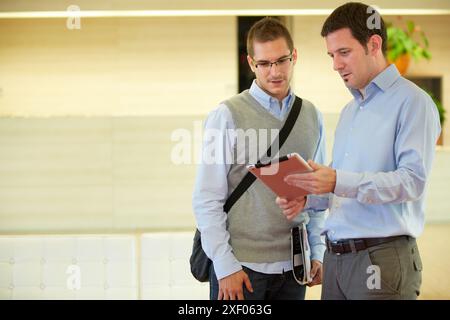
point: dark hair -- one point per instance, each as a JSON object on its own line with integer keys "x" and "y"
{"x": 356, "y": 17}
{"x": 267, "y": 29}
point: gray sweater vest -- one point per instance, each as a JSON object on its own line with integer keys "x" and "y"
{"x": 259, "y": 232}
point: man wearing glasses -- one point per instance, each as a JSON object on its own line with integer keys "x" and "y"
{"x": 250, "y": 246}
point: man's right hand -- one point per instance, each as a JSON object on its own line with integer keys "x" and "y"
{"x": 291, "y": 208}
{"x": 231, "y": 287}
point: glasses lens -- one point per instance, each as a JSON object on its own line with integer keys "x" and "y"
{"x": 263, "y": 65}
{"x": 284, "y": 62}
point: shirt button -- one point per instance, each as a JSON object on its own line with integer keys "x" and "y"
{"x": 346, "y": 154}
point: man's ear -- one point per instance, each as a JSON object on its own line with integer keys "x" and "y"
{"x": 294, "y": 56}
{"x": 375, "y": 44}
{"x": 250, "y": 60}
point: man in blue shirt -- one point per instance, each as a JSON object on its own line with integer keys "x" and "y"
{"x": 382, "y": 156}
{"x": 250, "y": 246}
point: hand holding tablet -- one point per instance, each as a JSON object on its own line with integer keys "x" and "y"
{"x": 272, "y": 174}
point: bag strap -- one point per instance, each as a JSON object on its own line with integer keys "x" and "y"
{"x": 249, "y": 178}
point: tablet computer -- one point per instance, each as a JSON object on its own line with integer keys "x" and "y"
{"x": 272, "y": 174}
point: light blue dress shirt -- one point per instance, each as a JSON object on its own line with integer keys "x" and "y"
{"x": 211, "y": 192}
{"x": 383, "y": 152}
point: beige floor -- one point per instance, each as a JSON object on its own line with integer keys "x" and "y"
{"x": 435, "y": 253}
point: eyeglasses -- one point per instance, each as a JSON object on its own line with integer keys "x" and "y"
{"x": 267, "y": 65}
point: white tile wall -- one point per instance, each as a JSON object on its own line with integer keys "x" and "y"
{"x": 42, "y": 267}
{"x": 165, "y": 267}
{"x": 149, "y": 266}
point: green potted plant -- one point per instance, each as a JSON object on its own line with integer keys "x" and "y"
{"x": 404, "y": 43}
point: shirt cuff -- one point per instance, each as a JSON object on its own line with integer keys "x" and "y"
{"x": 317, "y": 252}
{"x": 347, "y": 184}
{"x": 226, "y": 265}
{"x": 308, "y": 204}
{"x": 316, "y": 203}
{"x": 312, "y": 203}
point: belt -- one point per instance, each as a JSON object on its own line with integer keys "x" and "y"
{"x": 355, "y": 245}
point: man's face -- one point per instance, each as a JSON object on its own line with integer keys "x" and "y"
{"x": 350, "y": 59}
{"x": 273, "y": 78}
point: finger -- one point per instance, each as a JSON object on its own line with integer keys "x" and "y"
{"x": 305, "y": 185}
{"x": 314, "y": 270}
{"x": 297, "y": 182}
{"x": 240, "y": 295}
{"x": 288, "y": 216}
{"x": 292, "y": 215}
{"x": 312, "y": 283}
{"x": 290, "y": 212}
{"x": 314, "y": 165}
{"x": 281, "y": 201}
{"x": 300, "y": 177}
{"x": 232, "y": 296}
{"x": 220, "y": 296}
{"x": 290, "y": 205}
{"x": 318, "y": 276}
{"x": 316, "y": 281}
{"x": 248, "y": 284}
{"x": 319, "y": 279}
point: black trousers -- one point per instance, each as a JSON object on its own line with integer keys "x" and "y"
{"x": 265, "y": 286}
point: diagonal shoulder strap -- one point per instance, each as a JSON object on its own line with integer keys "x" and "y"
{"x": 249, "y": 178}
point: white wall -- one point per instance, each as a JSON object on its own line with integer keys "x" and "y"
{"x": 86, "y": 116}
{"x": 156, "y": 66}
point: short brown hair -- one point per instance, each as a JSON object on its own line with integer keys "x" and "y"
{"x": 267, "y": 29}
{"x": 355, "y": 16}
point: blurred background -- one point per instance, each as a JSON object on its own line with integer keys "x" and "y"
{"x": 92, "y": 94}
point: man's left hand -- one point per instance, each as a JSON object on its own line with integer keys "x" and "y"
{"x": 316, "y": 273}
{"x": 321, "y": 180}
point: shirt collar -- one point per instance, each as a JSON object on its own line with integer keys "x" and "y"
{"x": 387, "y": 77}
{"x": 383, "y": 81}
{"x": 267, "y": 100}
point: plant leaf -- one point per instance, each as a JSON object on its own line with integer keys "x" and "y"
{"x": 411, "y": 27}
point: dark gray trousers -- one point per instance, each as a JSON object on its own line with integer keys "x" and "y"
{"x": 390, "y": 270}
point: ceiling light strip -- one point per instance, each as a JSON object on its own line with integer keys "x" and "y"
{"x": 202, "y": 13}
